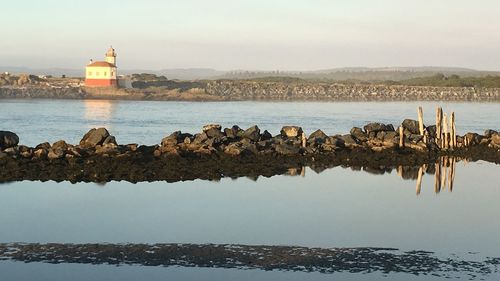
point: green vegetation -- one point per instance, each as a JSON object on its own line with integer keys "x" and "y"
{"x": 440, "y": 80}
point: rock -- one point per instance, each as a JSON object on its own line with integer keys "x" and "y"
{"x": 214, "y": 133}
{"x": 390, "y": 137}
{"x": 110, "y": 140}
{"x": 60, "y": 144}
{"x": 489, "y": 133}
{"x": 431, "y": 130}
{"x": 285, "y": 149}
{"x": 411, "y": 126}
{"x": 348, "y": 140}
{"x": 232, "y": 133}
{"x": 44, "y": 145}
{"x": 172, "y": 139}
{"x": 317, "y": 137}
{"x": 377, "y": 127}
{"x": 55, "y": 153}
{"x": 40, "y": 153}
{"x": 252, "y": 133}
{"x": 336, "y": 141}
{"x": 266, "y": 136}
{"x": 12, "y": 151}
{"x": 106, "y": 149}
{"x": 495, "y": 139}
{"x": 200, "y": 138}
{"x": 3, "y": 155}
{"x": 236, "y": 149}
{"x": 291, "y": 131}
{"x": 94, "y": 137}
{"x": 210, "y": 127}
{"x": 8, "y": 139}
{"x": 415, "y": 138}
{"x": 358, "y": 134}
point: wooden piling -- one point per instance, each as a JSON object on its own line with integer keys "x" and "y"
{"x": 304, "y": 140}
{"x": 419, "y": 180}
{"x": 439, "y": 123}
{"x": 453, "y": 130}
{"x": 401, "y": 137}
{"x": 421, "y": 123}
{"x": 445, "y": 132}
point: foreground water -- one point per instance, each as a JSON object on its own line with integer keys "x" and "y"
{"x": 147, "y": 122}
{"x": 336, "y": 208}
{"x": 339, "y": 207}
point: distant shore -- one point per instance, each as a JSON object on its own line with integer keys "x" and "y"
{"x": 247, "y": 90}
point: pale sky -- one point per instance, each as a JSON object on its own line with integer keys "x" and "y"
{"x": 253, "y": 34}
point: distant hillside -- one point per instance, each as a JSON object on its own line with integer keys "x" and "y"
{"x": 336, "y": 74}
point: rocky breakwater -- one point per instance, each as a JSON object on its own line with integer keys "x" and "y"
{"x": 215, "y": 152}
{"x": 260, "y": 90}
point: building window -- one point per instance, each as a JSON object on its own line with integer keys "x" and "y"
{"x": 105, "y": 73}
{"x": 90, "y": 73}
{"x": 112, "y": 73}
{"x": 97, "y": 74}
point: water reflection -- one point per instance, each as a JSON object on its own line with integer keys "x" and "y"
{"x": 98, "y": 113}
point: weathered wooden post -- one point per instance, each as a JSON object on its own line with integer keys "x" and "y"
{"x": 401, "y": 137}
{"x": 453, "y": 130}
{"x": 439, "y": 122}
{"x": 304, "y": 140}
{"x": 421, "y": 123}
{"x": 445, "y": 132}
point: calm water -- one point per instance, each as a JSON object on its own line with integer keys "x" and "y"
{"x": 336, "y": 208}
{"x": 147, "y": 122}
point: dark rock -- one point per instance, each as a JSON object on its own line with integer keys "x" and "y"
{"x": 110, "y": 140}
{"x": 44, "y": 145}
{"x": 266, "y": 136}
{"x": 390, "y": 136}
{"x": 285, "y": 149}
{"x": 348, "y": 140}
{"x": 94, "y": 137}
{"x": 55, "y": 153}
{"x": 411, "y": 126}
{"x": 431, "y": 130}
{"x": 488, "y": 133}
{"x": 8, "y": 139}
{"x": 377, "y": 127}
{"x": 415, "y": 138}
{"x": 358, "y": 134}
{"x": 291, "y": 131}
{"x": 252, "y": 133}
{"x": 317, "y": 137}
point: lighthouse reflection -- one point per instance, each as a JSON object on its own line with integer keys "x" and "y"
{"x": 98, "y": 113}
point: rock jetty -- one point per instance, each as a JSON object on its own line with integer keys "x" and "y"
{"x": 217, "y": 152}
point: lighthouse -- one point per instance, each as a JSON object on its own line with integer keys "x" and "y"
{"x": 102, "y": 73}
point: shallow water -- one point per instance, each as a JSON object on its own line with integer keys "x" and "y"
{"x": 338, "y": 207}
{"x": 147, "y": 122}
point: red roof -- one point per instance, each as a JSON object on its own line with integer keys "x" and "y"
{"x": 101, "y": 64}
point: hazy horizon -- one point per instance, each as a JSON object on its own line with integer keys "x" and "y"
{"x": 251, "y": 35}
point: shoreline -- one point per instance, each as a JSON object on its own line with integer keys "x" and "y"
{"x": 241, "y": 90}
